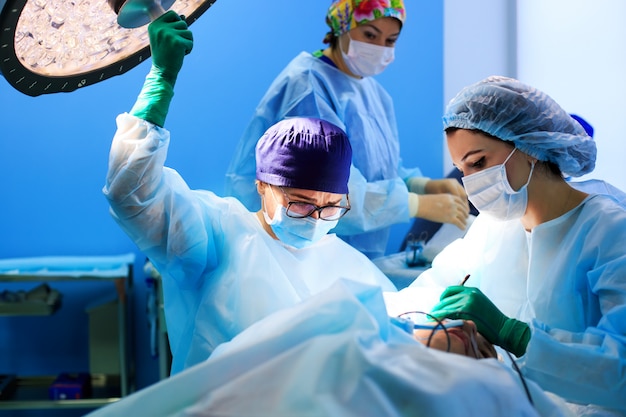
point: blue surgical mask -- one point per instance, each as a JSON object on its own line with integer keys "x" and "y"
{"x": 365, "y": 59}
{"x": 490, "y": 192}
{"x": 298, "y": 233}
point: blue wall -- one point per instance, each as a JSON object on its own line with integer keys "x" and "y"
{"x": 54, "y": 148}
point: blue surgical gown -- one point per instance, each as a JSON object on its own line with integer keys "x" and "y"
{"x": 221, "y": 271}
{"x": 310, "y": 87}
{"x": 567, "y": 279}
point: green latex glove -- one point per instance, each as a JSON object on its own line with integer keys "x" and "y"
{"x": 170, "y": 41}
{"x": 511, "y": 334}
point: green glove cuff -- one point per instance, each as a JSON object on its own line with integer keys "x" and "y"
{"x": 514, "y": 336}
{"x": 154, "y": 99}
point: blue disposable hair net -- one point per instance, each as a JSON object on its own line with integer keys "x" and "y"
{"x": 513, "y": 111}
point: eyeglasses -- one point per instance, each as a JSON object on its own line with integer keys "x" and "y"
{"x": 300, "y": 209}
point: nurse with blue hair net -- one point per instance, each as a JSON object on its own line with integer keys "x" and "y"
{"x": 222, "y": 266}
{"x": 338, "y": 84}
{"x": 546, "y": 261}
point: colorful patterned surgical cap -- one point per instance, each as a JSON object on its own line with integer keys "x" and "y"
{"x": 344, "y": 15}
{"x": 513, "y": 111}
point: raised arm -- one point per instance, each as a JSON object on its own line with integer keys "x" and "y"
{"x": 150, "y": 202}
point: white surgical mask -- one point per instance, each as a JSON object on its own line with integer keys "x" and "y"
{"x": 300, "y": 232}
{"x": 490, "y": 192}
{"x": 365, "y": 59}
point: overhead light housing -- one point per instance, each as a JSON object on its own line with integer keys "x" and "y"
{"x": 52, "y": 46}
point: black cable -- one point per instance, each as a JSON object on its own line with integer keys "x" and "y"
{"x": 492, "y": 330}
{"x": 439, "y": 325}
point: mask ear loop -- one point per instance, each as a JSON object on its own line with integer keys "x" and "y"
{"x": 341, "y": 47}
{"x": 509, "y": 157}
{"x": 265, "y": 213}
{"x": 532, "y": 169}
{"x": 269, "y": 220}
{"x": 475, "y": 318}
{"x": 273, "y": 195}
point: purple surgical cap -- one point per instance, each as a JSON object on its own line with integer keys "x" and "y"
{"x": 513, "y": 111}
{"x": 305, "y": 153}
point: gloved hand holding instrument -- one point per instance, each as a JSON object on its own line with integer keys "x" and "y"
{"x": 459, "y": 302}
{"x": 170, "y": 41}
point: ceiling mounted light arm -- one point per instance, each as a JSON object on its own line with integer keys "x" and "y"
{"x": 136, "y": 13}
{"x": 51, "y": 46}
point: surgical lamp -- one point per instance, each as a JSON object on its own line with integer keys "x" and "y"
{"x": 52, "y": 46}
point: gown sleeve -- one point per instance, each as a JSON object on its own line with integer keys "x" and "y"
{"x": 154, "y": 205}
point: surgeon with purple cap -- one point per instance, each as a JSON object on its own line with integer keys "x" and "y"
{"x": 223, "y": 267}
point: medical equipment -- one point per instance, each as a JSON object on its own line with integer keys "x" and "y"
{"x": 110, "y": 362}
{"x": 55, "y": 46}
{"x": 465, "y": 280}
{"x": 416, "y": 320}
{"x": 419, "y": 320}
{"x": 510, "y": 333}
{"x": 414, "y": 250}
{"x": 477, "y": 319}
{"x": 136, "y": 13}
